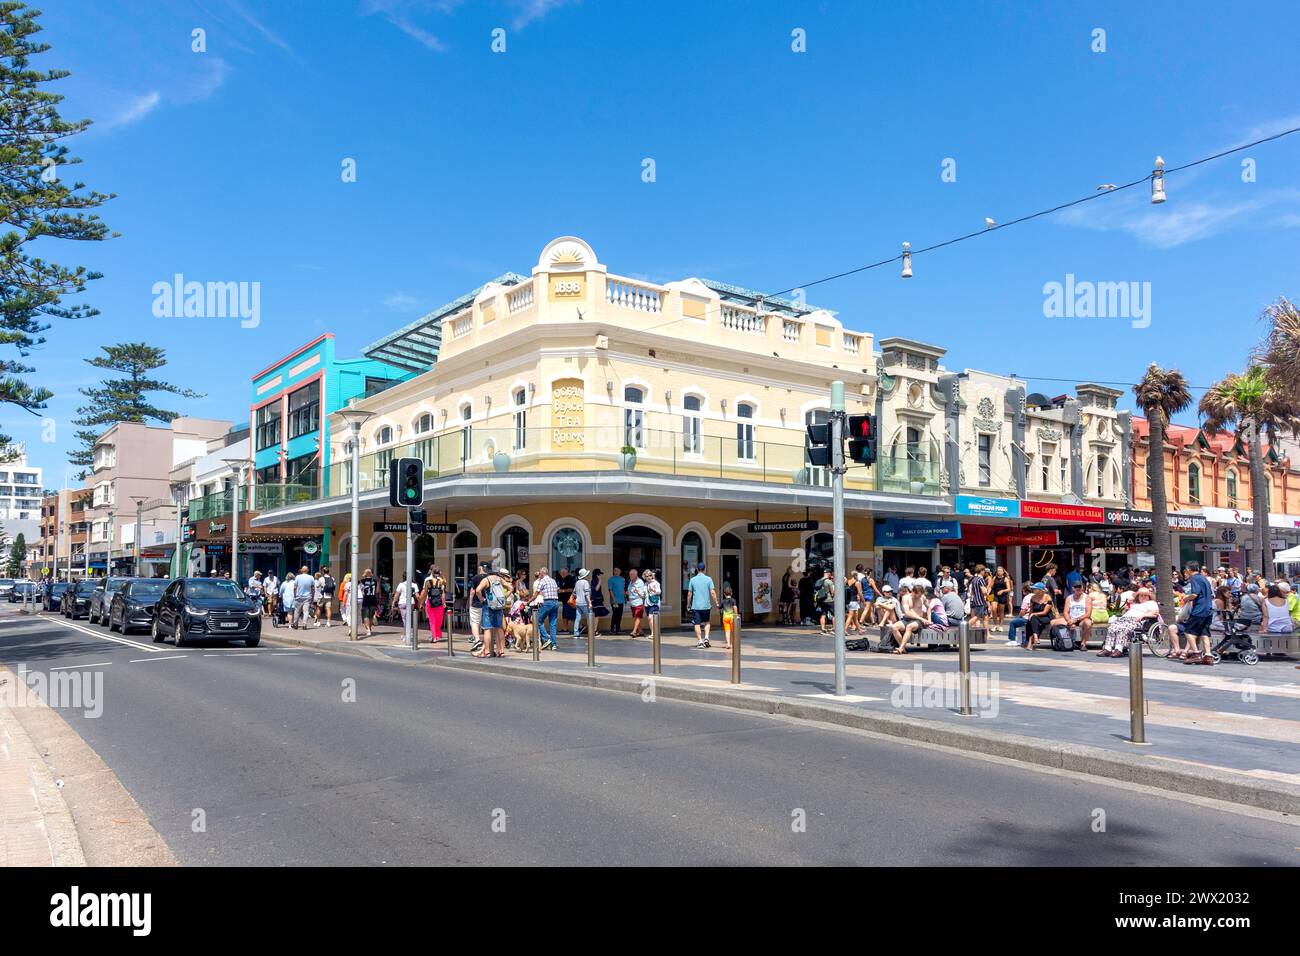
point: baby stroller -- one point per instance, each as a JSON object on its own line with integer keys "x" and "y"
{"x": 1235, "y": 642}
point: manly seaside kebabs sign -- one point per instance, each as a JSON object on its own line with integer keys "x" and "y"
{"x": 1142, "y": 519}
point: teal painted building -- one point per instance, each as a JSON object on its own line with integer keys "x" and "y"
{"x": 289, "y": 430}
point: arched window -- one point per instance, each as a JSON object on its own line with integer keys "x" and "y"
{"x": 691, "y": 441}
{"x": 633, "y": 417}
{"x": 424, "y": 424}
{"x": 520, "y": 397}
{"x": 466, "y": 436}
{"x": 1103, "y": 463}
{"x": 692, "y": 550}
{"x": 745, "y": 431}
{"x": 1232, "y": 488}
{"x": 384, "y": 436}
{"x": 1194, "y": 483}
{"x": 566, "y": 551}
{"x": 423, "y": 449}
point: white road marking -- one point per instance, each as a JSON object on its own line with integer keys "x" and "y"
{"x": 107, "y": 637}
{"x": 141, "y": 660}
{"x": 71, "y": 667}
{"x": 232, "y": 654}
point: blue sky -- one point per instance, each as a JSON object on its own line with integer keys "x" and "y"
{"x": 773, "y": 168}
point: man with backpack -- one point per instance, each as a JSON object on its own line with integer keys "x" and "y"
{"x": 327, "y": 596}
{"x": 824, "y": 598}
{"x": 493, "y": 593}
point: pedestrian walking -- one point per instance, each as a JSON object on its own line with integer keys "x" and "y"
{"x": 703, "y": 598}
{"x": 433, "y": 595}
{"x": 617, "y": 598}
{"x": 368, "y": 591}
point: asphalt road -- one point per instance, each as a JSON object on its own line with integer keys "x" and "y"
{"x": 438, "y": 766}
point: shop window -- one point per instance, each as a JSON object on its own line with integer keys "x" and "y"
{"x": 566, "y": 551}
{"x": 1194, "y": 483}
{"x": 1232, "y": 489}
{"x": 986, "y": 458}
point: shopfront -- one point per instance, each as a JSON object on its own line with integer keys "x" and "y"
{"x": 903, "y": 543}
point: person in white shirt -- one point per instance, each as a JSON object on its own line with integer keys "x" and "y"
{"x": 905, "y": 583}
{"x": 637, "y": 593}
{"x": 402, "y": 600}
{"x": 1121, "y": 631}
{"x": 317, "y": 593}
{"x": 286, "y": 598}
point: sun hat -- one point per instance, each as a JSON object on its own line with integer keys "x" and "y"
{"x": 582, "y": 573}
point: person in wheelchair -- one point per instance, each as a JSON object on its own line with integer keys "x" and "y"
{"x": 1122, "y": 630}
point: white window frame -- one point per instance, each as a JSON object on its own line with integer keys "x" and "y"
{"x": 692, "y": 425}
{"x": 520, "y": 396}
{"x": 745, "y": 431}
{"x": 634, "y": 416}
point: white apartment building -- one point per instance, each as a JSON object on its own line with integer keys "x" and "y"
{"x": 20, "y": 490}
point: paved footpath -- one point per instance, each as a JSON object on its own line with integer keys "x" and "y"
{"x": 1230, "y": 717}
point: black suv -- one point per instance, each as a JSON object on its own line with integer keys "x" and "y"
{"x": 52, "y": 596}
{"x": 23, "y": 591}
{"x": 102, "y": 598}
{"x": 76, "y": 599}
{"x": 134, "y": 604}
{"x": 204, "y": 608}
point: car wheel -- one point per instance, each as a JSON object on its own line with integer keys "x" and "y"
{"x": 113, "y": 627}
{"x": 155, "y": 633}
{"x": 178, "y": 632}
{"x": 252, "y": 641}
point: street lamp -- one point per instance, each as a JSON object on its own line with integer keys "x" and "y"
{"x": 139, "y": 506}
{"x": 178, "y": 498}
{"x": 238, "y": 465}
{"x": 108, "y": 543}
{"x": 355, "y": 417}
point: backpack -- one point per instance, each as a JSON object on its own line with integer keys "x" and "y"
{"x": 1062, "y": 639}
{"x": 823, "y": 593}
{"x": 435, "y": 595}
{"x": 886, "y": 643}
{"x": 860, "y": 644}
{"x": 497, "y": 598}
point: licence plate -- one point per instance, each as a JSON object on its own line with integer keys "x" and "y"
{"x": 227, "y": 624}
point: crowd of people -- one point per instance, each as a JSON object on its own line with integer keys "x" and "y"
{"x": 505, "y": 610}
{"x": 1063, "y": 608}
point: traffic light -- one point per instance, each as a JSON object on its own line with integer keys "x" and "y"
{"x": 818, "y": 446}
{"x": 406, "y": 483}
{"x": 863, "y": 440}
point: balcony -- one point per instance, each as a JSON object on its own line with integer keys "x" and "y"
{"x": 263, "y": 498}
{"x": 557, "y": 450}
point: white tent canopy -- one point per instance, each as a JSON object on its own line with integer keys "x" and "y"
{"x": 1289, "y": 556}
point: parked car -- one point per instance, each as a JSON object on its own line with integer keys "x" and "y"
{"x": 76, "y": 599}
{"x": 134, "y": 604}
{"x": 6, "y": 586}
{"x": 103, "y": 596}
{"x": 195, "y": 608}
{"x": 23, "y": 591}
{"x": 52, "y": 598}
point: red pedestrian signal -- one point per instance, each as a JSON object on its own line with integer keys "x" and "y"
{"x": 863, "y": 439}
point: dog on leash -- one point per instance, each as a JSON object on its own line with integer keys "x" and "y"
{"x": 522, "y": 635}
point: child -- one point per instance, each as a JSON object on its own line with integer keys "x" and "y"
{"x": 728, "y": 614}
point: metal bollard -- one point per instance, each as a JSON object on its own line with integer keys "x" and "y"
{"x": 657, "y": 664}
{"x": 591, "y": 639}
{"x": 963, "y": 662}
{"x": 735, "y": 648}
{"x": 1136, "y": 696}
{"x": 537, "y": 633}
{"x": 450, "y": 618}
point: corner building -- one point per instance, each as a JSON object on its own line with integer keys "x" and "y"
{"x": 578, "y": 418}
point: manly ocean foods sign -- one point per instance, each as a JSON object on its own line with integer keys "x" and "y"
{"x": 902, "y": 532}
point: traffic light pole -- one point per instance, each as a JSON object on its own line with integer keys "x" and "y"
{"x": 409, "y": 623}
{"x": 837, "y": 520}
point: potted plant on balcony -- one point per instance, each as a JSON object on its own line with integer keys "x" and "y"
{"x": 628, "y": 455}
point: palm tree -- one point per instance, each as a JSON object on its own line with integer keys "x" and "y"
{"x": 1161, "y": 394}
{"x": 1257, "y": 402}
{"x": 1280, "y": 350}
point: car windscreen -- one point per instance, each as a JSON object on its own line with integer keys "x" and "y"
{"x": 220, "y": 590}
{"x": 58, "y": 588}
{"x": 147, "y": 589}
{"x": 86, "y": 587}
{"x": 114, "y": 585}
